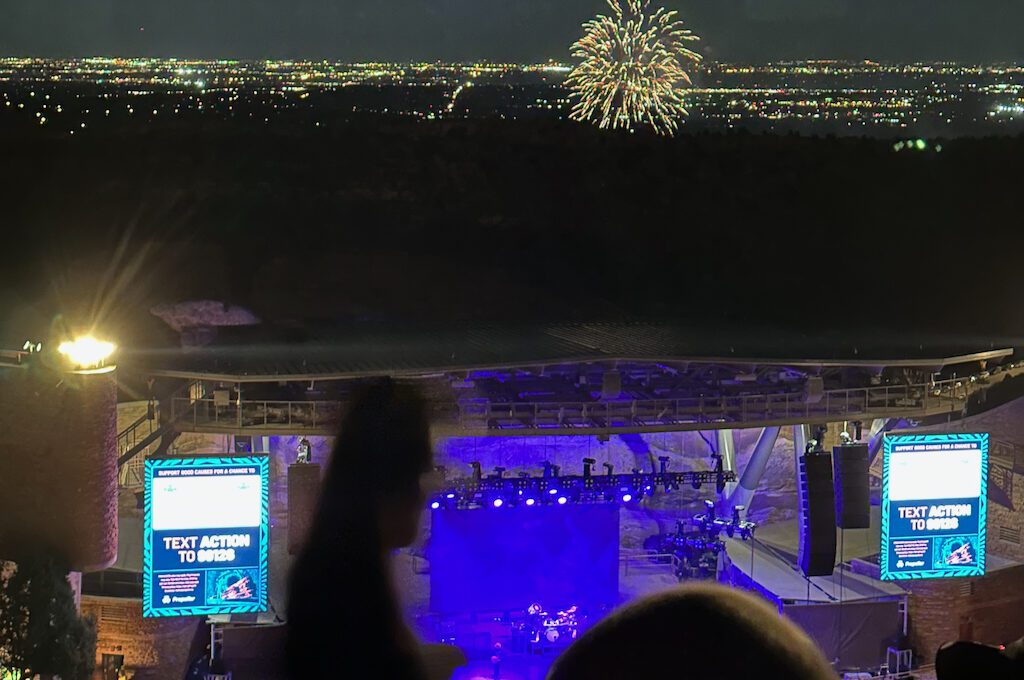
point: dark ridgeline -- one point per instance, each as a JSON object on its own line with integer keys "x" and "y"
{"x": 397, "y": 220}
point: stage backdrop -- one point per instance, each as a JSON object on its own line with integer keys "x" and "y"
{"x": 856, "y": 633}
{"x": 497, "y": 559}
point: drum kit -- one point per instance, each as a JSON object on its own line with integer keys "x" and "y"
{"x": 560, "y": 628}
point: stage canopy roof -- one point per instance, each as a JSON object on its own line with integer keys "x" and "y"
{"x": 260, "y": 353}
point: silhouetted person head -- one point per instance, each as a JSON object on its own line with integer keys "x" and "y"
{"x": 373, "y": 480}
{"x": 968, "y": 660}
{"x": 700, "y": 632}
{"x": 342, "y": 611}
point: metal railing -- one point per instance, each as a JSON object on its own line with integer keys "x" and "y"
{"x": 642, "y": 558}
{"x": 235, "y": 414}
{"x": 846, "y": 404}
{"x": 131, "y": 475}
{"x": 539, "y": 416}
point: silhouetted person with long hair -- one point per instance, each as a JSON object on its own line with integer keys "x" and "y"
{"x": 343, "y": 617}
{"x": 700, "y": 632}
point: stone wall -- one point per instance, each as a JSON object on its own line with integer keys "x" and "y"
{"x": 58, "y": 463}
{"x": 988, "y": 609}
{"x": 153, "y": 648}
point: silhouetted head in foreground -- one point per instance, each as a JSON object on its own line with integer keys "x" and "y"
{"x": 968, "y": 660}
{"x": 701, "y": 632}
{"x": 373, "y": 480}
{"x": 343, "y": 619}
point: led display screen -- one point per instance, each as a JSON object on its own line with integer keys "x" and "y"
{"x": 934, "y": 494}
{"x": 507, "y": 559}
{"x": 205, "y": 536}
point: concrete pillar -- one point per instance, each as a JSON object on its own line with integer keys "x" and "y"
{"x": 303, "y": 494}
{"x": 743, "y": 494}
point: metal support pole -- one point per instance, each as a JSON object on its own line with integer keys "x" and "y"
{"x": 879, "y": 426}
{"x": 744, "y": 492}
{"x": 727, "y": 450}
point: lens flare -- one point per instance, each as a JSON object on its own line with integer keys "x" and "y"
{"x": 87, "y": 352}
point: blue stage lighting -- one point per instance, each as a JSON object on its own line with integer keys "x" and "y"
{"x": 562, "y": 500}
{"x": 626, "y": 497}
{"x": 552, "y": 491}
{"x": 530, "y": 501}
{"x": 450, "y": 496}
{"x": 435, "y": 505}
{"x": 498, "y": 503}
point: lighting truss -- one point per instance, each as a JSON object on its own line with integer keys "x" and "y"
{"x": 498, "y": 490}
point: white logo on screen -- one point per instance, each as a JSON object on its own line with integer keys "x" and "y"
{"x": 899, "y": 565}
{"x": 167, "y": 599}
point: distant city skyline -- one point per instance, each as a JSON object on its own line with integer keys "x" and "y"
{"x": 854, "y": 97}
{"x": 524, "y": 31}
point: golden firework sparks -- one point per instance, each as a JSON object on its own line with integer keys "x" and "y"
{"x": 632, "y": 68}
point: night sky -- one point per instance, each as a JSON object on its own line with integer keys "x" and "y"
{"x": 519, "y": 30}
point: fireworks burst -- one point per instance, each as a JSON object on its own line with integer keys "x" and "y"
{"x": 631, "y": 69}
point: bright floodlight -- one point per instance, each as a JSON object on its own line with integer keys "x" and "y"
{"x": 87, "y": 351}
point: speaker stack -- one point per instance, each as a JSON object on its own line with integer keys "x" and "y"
{"x": 817, "y": 550}
{"x": 853, "y": 500}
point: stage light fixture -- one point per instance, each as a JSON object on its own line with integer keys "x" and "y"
{"x": 435, "y": 505}
{"x": 476, "y": 492}
{"x": 498, "y": 502}
{"x": 627, "y": 497}
{"x": 530, "y": 502}
{"x": 87, "y": 352}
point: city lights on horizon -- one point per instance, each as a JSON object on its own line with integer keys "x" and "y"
{"x": 81, "y": 96}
